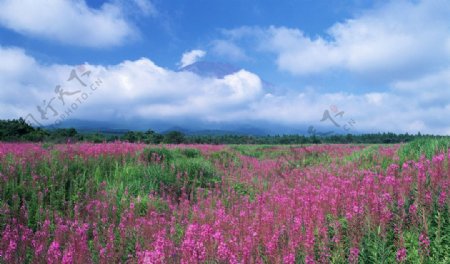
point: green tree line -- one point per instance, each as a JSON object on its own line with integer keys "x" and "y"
{"x": 18, "y": 130}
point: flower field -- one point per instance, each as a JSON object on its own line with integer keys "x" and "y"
{"x": 136, "y": 203}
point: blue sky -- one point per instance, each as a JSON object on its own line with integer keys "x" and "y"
{"x": 384, "y": 63}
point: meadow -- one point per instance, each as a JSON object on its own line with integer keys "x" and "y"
{"x": 136, "y": 203}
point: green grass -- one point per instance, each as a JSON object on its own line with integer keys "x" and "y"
{"x": 369, "y": 158}
{"x": 424, "y": 146}
{"x": 64, "y": 182}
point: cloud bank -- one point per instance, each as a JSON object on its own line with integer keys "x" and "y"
{"x": 141, "y": 89}
{"x": 71, "y": 22}
{"x": 398, "y": 40}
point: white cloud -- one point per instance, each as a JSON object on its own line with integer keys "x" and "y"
{"x": 70, "y": 22}
{"x": 375, "y": 98}
{"x": 432, "y": 89}
{"x": 137, "y": 88}
{"x": 146, "y": 7}
{"x": 14, "y": 62}
{"x": 228, "y": 50}
{"x": 394, "y": 113}
{"x": 142, "y": 89}
{"x": 400, "y": 39}
{"x": 434, "y": 81}
{"x": 191, "y": 57}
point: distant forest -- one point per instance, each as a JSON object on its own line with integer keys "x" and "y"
{"x": 18, "y": 131}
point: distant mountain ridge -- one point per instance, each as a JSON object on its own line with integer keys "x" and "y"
{"x": 211, "y": 69}
{"x": 192, "y": 127}
{"x": 196, "y": 128}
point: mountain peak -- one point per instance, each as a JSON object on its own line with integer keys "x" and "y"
{"x": 211, "y": 69}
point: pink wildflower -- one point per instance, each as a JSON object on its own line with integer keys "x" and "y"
{"x": 401, "y": 254}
